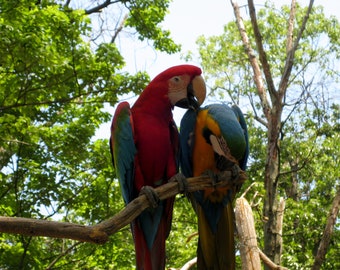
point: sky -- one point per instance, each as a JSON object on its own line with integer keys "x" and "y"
{"x": 187, "y": 20}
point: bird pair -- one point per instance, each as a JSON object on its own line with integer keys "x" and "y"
{"x": 147, "y": 149}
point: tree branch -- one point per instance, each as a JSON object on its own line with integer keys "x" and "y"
{"x": 100, "y": 7}
{"x": 67, "y": 3}
{"x": 327, "y": 234}
{"x": 50, "y": 102}
{"x": 291, "y": 53}
{"x": 262, "y": 53}
{"x": 187, "y": 265}
{"x": 269, "y": 262}
{"x": 62, "y": 254}
{"x": 119, "y": 29}
{"x": 100, "y": 233}
{"x": 253, "y": 61}
{"x": 256, "y": 117}
{"x": 289, "y": 44}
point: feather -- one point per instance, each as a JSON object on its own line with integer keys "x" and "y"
{"x": 213, "y": 139}
{"x": 145, "y": 147}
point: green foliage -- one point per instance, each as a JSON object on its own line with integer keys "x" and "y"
{"x": 145, "y": 16}
{"x": 309, "y": 137}
{"x": 181, "y": 244}
{"x": 54, "y": 83}
{"x": 318, "y": 178}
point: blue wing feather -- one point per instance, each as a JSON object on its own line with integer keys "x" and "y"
{"x": 123, "y": 149}
{"x": 242, "y": 121}
{"x": 230, "y": 127}
{"x": 215, "y": 217}
{"x": 187, "y": 141}
{"x": 234, "y": 130}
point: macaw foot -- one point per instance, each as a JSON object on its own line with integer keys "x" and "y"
{"x": 217, "y": 178}
{"x": 212, "y": 175}
{"x": 182, "y": 182}
{"x": 222, "y": 163}
{"x": 235, "y": 172}
{"x": 151, "y": 195}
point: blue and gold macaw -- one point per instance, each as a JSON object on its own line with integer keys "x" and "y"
{"x": 214, "y": 140}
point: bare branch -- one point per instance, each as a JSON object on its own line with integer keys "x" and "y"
{"x": 189, "y": 264}
{"x": 303, "y": 162}
{"x": 262, "y": 53}
{"x": 119, "y": 29}
{"x": 67, "y": 3}
{"x": 253, "y": 61}
{"x": 62, "y": 254}
{"x": 327, "y": 233}
{"x": 256, "y": 117}
{"x": 191, "y": 236}
{"x": 247, "y": 189}
{"x": 100, "y": 233}
{"x": 291, "y": 27}
{"x": 269, "y": 262}
{"x": 291, "y": 54}
{"x": 100, "y": 7}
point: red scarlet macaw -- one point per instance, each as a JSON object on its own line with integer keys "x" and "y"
{"x": 213, "y": 139}
{"x": 145, "y": 146}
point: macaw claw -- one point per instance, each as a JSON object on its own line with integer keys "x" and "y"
{"x": 221, "y": 176}
{"x": 182, "y": 182}
{"x": 235, "y": 172}
{"x": 151, "y": 195}
{"x": 212, "y": 175}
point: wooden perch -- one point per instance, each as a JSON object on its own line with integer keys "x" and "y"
{"x": 100, "y": 233}
{"x": 246, "y": 230}
{"x": 250, "y": 252}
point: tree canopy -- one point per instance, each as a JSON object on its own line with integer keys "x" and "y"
{"x": 60, "y": 65}
{"x": 306, "y": 176}
{"x": 55, "y": 77}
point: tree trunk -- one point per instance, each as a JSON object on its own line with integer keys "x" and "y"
{"x": 292, "y": 189}
{"x": 246, "y": 230}
{"x": 326, "y": 237}
{"x": 272, "y": 238}
{"x": 272, "y": 110}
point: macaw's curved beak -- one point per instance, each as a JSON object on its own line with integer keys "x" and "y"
{"x": 196, "y": 92}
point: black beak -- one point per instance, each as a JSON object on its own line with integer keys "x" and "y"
{"x": 190, "y": 102}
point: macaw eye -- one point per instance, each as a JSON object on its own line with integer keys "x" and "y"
{"x": 176, "y": 79}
